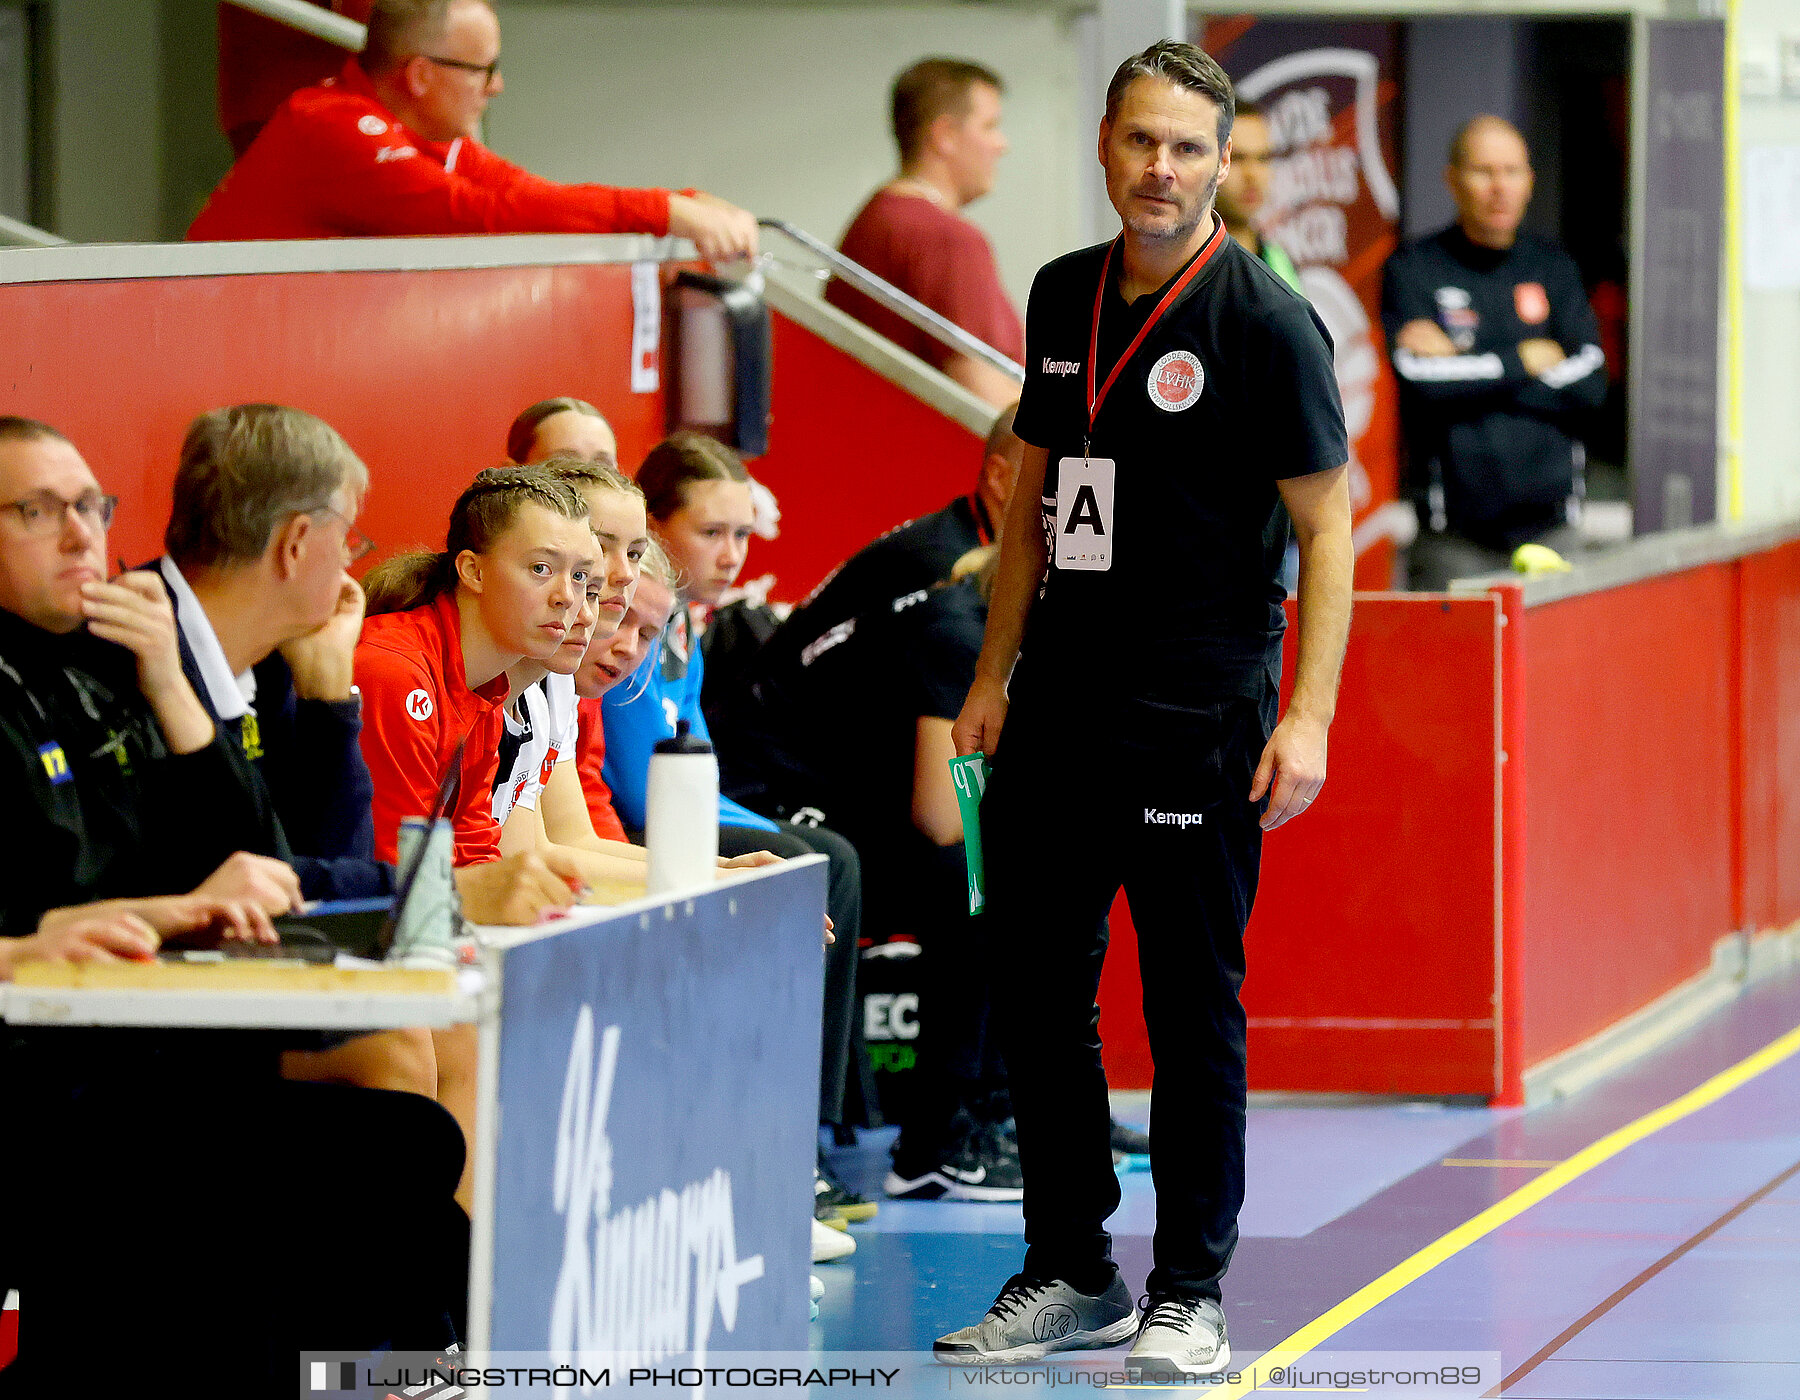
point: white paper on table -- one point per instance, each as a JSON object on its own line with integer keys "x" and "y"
{"x": 1771, "y": 218}
{"x": 646, "y": 328}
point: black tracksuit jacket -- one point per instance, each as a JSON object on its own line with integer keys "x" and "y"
{"x": 1501, "y": 443}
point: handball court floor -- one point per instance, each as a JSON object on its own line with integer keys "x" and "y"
{"x": 1638, "y": 1240}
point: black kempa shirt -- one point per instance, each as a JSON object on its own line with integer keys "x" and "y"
{"x": 835, "y": 726}
{"x": 906, "y": 559}
{"x": 1232, "y": 391}
{"x": 1500, "y": 442}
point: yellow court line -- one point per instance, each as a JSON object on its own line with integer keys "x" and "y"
{"x": 1285, "y": 1353}
{"x": 1498, "y": 1162}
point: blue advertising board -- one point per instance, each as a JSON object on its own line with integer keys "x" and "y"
{"x": 658, "y": 1111}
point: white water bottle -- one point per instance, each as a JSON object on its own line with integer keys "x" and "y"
{"x": 681, "y": 814}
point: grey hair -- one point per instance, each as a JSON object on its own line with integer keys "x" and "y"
{"x": 245, "y": 469}
{"x": 1185, "y": 65}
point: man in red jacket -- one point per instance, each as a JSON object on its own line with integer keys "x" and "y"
{"x": 389, "y": 147}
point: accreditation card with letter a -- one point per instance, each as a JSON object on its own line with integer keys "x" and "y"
{"x": 1084, "y": 513}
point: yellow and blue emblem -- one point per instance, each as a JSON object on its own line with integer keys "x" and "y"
{"x": 56, "y": 763}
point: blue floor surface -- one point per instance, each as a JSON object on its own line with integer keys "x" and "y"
{"x": 1669, "y": 1272}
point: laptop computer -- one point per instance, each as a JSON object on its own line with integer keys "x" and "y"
{"x": 363, "y": 928}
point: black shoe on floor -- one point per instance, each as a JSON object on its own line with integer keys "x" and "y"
{"x": 1128, "y": 1140}
{"x": 834, "y": 1200}
{"x": 979, "y": 1166}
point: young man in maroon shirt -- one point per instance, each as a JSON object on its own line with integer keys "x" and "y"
{"x": 911, "y": 232}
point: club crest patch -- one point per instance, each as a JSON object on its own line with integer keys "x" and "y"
{"x": 1458, "y": 316}
{"x": 1176, "y": 381}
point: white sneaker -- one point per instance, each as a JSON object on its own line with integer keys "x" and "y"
{"x": 829, "y": 1244}
{"x": 1035, "y": 1317}
{"x": 1180, "y": 1338}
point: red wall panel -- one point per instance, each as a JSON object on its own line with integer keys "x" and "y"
{"x": 1373, "y": 947}
{"x": 1628, "y": 712}
{"x": 1771, "y": 737}
{"x": 850, "y": 456}
{"x": 421, "y": 371}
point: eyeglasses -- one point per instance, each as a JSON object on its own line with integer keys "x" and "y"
{"x": 41, "y": 513}
{"x": 356, "y": 543}
{"x": 488, "y": 71}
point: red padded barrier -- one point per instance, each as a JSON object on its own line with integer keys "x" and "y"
{"x": 1771, "y": 737}
{"x": 1512, "y": 844}
{"x": 421, "y": 371}
{"x": 1373, "y": 946}
{"x": 1628, "y": 713}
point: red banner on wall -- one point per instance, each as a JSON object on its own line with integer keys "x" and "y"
{"x": 1329, "y": 93}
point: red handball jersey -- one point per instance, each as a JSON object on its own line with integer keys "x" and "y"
{"x": 417, "y": 706}
{"x": 590, "y": 758}
{"x": 333, "y": 162}
{"x": 934, "y": 256}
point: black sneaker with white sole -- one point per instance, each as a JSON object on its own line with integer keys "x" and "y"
{"x": 832, "y": 1200}
{"x": 980, "y": 1166}
{"x": 1032, "y": 1318}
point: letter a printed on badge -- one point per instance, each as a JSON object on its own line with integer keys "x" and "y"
{"x": 1084, "y": 513}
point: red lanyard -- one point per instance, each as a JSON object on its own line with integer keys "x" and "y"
{"x": 1201, "y": 259}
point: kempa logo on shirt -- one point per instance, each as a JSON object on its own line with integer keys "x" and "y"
{"x": 1184, "y": 820}
{"x": 1176, "y": 381}
{"x": 418, "y": 704}
{"x": 1062, "y": 366}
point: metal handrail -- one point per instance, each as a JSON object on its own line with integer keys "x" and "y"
{"x": 14, "y": 234}
{"x": 909, "y": 309}
{"x": 310, "y": 19}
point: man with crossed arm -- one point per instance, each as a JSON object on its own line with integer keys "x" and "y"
{"x": 1498, "y": 356}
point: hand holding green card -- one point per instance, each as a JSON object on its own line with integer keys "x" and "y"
{"x": 969, "y": 773}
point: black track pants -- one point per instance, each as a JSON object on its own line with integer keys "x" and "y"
{"x": 1153, "y": 798}
{"x": 841, "y": 1048}
{"x": 920, "y": 891}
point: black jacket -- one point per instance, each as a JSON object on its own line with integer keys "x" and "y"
{"x": 906, "y": 560}
{"x": 1500, "y": 442}
{"x": 100, "y": 807}
{"x": 308, "y": 760}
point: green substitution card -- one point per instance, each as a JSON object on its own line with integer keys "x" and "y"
{"x": 969, "y": 773}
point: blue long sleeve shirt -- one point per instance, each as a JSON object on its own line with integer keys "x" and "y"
{"x": 644, "y": 710}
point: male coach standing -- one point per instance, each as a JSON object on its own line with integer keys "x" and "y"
{"x": 1176, "y": 393}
